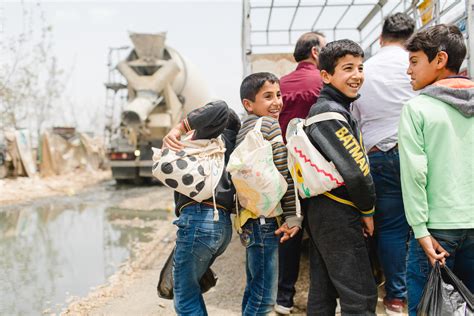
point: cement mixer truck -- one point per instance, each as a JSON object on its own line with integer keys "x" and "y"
{"x": 161, "y": 87}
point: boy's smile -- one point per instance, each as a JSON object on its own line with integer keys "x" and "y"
{"x": 348, "y": 75}
{"x": 268, "y": 101}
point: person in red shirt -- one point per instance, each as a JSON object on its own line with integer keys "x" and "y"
{"x": 300, "y": 90}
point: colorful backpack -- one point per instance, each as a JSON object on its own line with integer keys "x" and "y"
{"x": 311, "y": 172}
{"x": 258, "y": 183}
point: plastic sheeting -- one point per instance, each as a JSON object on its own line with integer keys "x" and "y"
{"x": 60, "y": 155}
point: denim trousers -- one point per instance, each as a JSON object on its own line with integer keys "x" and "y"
{"x": 261, "y": 266}
{"x": 391, "y": 227}
{"x": 459, "y": 243}
{"x": 200, "y": 240}
{"x": 289, "y": 254}
{"x": 339, "y": 260}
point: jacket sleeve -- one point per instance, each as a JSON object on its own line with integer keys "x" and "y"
{"x": 338, "y": 143}
{"x": 208, "y": 121}
{"x": 272, "y": 133}
{"x": 413, "y": 170}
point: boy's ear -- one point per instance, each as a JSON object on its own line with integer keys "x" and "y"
{"x": 314, "y": 52}
{"x": 441, "y": 60}
{"x": 247, "y": 105}
{"x": 326, "y": 76}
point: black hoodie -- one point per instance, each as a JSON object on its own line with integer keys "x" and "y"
{"x": 342, "y": 144}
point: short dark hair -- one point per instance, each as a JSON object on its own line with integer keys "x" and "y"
{"x": 254, "y": 82}
{"x": 398, "y": 27}
{"x": 441, "y": 37}
{"x": 305, "y": 43}
{"x": 337, "y": 49}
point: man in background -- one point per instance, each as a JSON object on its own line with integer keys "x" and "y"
{"x": 385, "y": 90}
{"x": 300, "y": 90}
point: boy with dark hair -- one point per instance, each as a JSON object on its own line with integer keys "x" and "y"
{"x": 385, "y": 90}
{"x": 338, "y": 220}
{"x": 200, "y": 238}
{"x": 436, "y": 158}
{"x": 261, "y": 97}
{"x": 299, "y": 90}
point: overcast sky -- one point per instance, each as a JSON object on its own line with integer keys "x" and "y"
{"x": 207, "y": 33}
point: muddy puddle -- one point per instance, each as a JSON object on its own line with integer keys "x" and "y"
{"x": 61, "y": 247}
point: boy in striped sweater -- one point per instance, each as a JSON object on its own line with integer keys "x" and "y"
{"x": 261, "y": 97}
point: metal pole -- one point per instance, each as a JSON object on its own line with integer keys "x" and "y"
{"x": 470, "y": 37}
{"x": 246, "y": 45}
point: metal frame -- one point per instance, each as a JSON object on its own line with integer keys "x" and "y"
{"x": 369, "y": 44}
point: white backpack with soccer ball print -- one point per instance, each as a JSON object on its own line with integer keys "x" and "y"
{"x": 193, "y": 171}
{"x": 311, "y": 172}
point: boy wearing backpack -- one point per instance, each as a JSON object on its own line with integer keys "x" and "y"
{"x": 261, "y": 98}
{"x": 200, "y": 237}
{"x": 338, "y": 220}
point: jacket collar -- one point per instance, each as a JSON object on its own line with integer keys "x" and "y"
{"x": 306, "y": 65}
{"x": 330, "y": 92}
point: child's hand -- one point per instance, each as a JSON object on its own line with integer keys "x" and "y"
{"x": 368, "y": 225}
{"x": 433, "y": 250}
{"x": 287, "y": 232}
{"x": 172, "y": 139}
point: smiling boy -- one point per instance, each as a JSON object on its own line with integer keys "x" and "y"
{"x": 339, "y": 219}
{"x": 261, "y": 97}
{"x": 436, "y": 159}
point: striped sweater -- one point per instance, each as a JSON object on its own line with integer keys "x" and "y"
{"x": 271, "y": 131}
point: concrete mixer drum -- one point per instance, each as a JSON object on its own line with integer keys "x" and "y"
{"x": 162, "y": 87}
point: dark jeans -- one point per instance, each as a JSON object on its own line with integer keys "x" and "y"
{"x": 339, "y": 261}
{"x": 391, "y": 227}
{"x": 459, "y": 243}
{"x": 289, "y": 254}
{"x": 200, "y": 240}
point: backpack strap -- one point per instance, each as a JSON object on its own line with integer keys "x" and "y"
{"x": 258, "y": 124}
{"x": 325, "y": 117}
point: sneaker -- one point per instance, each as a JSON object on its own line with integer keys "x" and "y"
{"x": 280, "y": 309}
{"x": 393, "y": 306}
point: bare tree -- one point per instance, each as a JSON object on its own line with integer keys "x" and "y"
{"x": 32, "y": 82}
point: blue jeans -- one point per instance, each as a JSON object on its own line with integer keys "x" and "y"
{"x": 391, "y": 227}
{"x": 459, "y": 243}
{"x": 261, "y": 266}
{"x": 200, "y": 240}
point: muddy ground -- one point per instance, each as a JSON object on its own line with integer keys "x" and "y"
{"x": 132, "y": 289}
{"x": 25, "y": 189}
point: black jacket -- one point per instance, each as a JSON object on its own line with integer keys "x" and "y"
{"x": 210, "y": 121}
{"x": 341, "y": 143}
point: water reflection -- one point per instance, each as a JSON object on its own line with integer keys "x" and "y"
{"x": 60, "y": 247}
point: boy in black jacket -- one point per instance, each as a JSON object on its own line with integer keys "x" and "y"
{"x": 338, "y": 220}
{"x": 201, "y": 239}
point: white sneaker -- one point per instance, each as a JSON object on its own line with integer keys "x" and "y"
{"x": 283, "y": 310}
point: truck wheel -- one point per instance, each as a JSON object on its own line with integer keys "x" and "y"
{"x": 122, "y": 181}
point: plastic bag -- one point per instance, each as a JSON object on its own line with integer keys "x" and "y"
{"x": 166, "y": 282}
{"x": 445, "y": 294}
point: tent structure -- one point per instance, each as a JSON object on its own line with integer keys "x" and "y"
{"x": 273, "y": 26}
